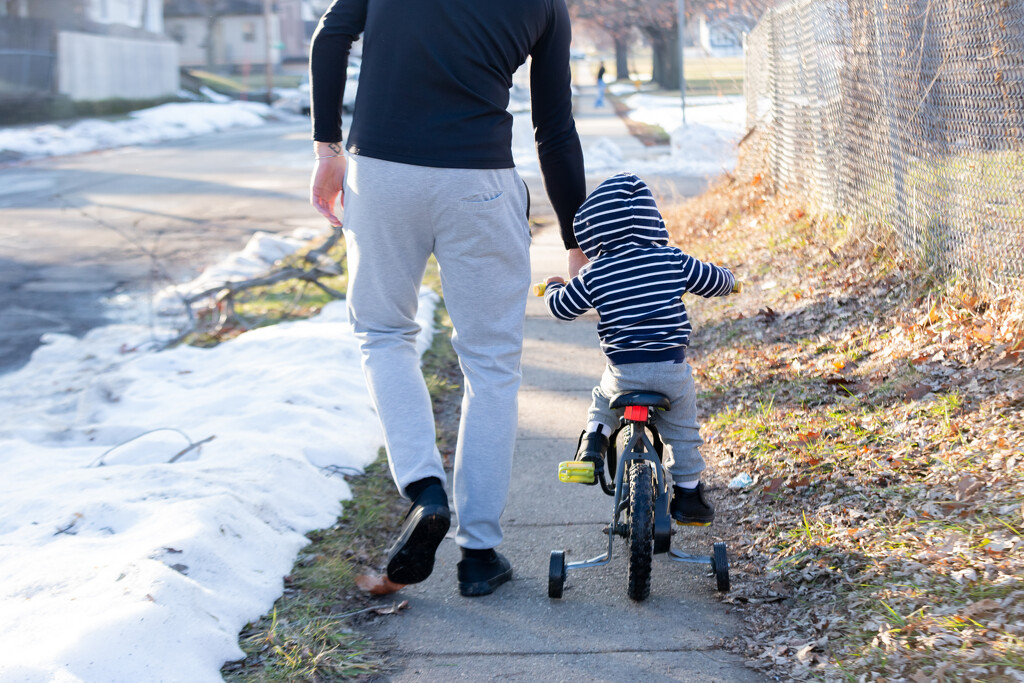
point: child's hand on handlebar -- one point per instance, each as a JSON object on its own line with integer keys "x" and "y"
{"x": 541, "y": 287}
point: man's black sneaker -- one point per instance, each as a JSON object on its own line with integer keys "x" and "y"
{"x": 592, "y": 447}
{"x": 411, "y": 558}
{"x": 481, "y": 575}
{"x": 689, "y": 507}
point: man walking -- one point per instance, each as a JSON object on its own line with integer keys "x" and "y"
{"x": 429, "y": 170}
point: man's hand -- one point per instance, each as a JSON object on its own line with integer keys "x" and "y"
{"x": 328, "y": 183}
{"x": 577, "y": 260}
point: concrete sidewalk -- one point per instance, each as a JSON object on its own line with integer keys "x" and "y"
{"x": 595, "y": 632}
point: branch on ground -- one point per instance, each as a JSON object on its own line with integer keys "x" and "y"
{"x": 218, "y": 305}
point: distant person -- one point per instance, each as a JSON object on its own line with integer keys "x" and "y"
{"x": 636, "y": 281}
{"x": 429, "y": 170}
{"x": 600, "y": 86}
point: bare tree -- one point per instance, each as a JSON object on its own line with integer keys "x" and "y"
{"x": 658, "y": 20}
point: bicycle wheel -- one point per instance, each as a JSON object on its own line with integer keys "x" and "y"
{"x": 720, "y": 566}
{"x": 641, "y": 529}
{"x": 556, "y": 574}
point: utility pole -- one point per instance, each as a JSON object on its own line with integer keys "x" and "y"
{"x": 269, "y": 45}
{"x": 682, "y": 58}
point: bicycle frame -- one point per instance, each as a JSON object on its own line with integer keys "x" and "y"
{"x": 630, "y": 453}
{"x": 635, "y": 436}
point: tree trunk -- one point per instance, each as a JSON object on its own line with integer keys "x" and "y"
{"x": 621, "y": 59}
{"x": 665, "y": 45}
{"x": 657, "y": 63}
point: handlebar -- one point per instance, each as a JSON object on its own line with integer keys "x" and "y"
{"x": 540, "y": 287}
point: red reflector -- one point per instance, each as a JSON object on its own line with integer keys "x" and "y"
{"x": 636, "y": 413}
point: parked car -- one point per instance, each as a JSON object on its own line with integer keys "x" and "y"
{"x": 297, "y": 99}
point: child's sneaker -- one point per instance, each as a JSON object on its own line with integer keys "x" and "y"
{"x": 592, "y": 447}
{"x": 689, "y": 507}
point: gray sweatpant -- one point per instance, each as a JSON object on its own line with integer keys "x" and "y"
{"x": 474, "y": 222}
{"x": 678, "y": 426}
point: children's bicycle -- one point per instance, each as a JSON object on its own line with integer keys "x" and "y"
{"x": 642, "y": 492}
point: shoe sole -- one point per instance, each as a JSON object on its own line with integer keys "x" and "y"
{"x": 478, "y": 588}
{"x": 692, "y": 521}
{"x": 411, "y": 558}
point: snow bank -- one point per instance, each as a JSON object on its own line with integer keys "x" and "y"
{"x": 166, "y": 122}
{"x": 727, "y": 114}
{"x": 705, "y": 146}
{"x": 136, "y": 562}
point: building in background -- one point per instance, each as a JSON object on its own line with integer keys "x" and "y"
{"x": 722, "y": 34}
{"x": 232, "y": 35}
{"x": 85, "y": 50}
{"x": 294, "y": 42}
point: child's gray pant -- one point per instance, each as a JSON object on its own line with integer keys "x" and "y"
{"x": 474, "y": 222}
{"x": 678, "y": 427}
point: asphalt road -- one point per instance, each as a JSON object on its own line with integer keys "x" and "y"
{"x": 76, "y": 231}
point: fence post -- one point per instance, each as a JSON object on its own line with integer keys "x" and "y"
{"x": 897, "y": 162}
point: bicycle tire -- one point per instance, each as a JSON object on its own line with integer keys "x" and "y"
{"x": 641, "y": 530}
{"x": 720, "y": 566}
{"x": 556, "y": 574}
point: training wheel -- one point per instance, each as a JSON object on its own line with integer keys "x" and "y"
{"x": 556, "y": 574}
{"x": 720, "y": 566}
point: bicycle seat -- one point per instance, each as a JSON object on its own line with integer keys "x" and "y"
{"x": 640, "y": 398}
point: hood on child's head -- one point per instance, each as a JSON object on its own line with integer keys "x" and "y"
{"x": 621, "y": 212}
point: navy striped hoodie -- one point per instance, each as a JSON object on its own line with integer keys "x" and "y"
{"x": 634, "y": 280}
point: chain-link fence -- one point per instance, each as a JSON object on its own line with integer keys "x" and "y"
{"x": 908, "y": 114}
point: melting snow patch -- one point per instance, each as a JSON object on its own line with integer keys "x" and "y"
{"x": 166, "y": 122}
{"x": 125, "y": 562}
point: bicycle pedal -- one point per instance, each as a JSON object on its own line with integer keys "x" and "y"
{"x": 678, "y": 523}
{"x": 576, "y": 472}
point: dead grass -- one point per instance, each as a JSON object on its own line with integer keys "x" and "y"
{"x": 649, "y": 134}
{"x": 878, "y": 414}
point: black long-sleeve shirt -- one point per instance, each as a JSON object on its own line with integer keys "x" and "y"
{"x": 434, "y": 86}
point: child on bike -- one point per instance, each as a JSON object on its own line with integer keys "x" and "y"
{"x": 636, "y": 281}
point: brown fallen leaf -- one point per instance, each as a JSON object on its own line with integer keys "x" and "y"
{"x": 918, "y": 391}
{"x": 968, "y": 486}
{"x": 842, "y": 384}
{"x": 808, "y": 437}
{"x": 394, "y": 608}
{"x": 377, "y": 584}
{"x": 774, "y": 485}
{"x": 982, "y": 607}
